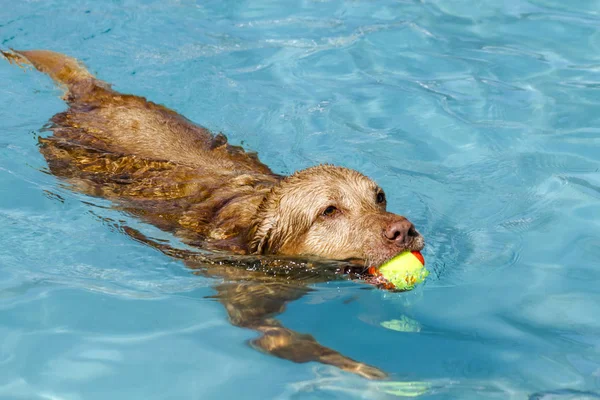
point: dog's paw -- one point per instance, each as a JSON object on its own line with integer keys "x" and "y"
{"x": 369, "y": 372}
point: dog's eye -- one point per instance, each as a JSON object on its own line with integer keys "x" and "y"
{"x": 380, "y": 197}
{"x": 329, "y": 211}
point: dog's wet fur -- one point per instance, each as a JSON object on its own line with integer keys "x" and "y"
{"x": 166, "y": 170}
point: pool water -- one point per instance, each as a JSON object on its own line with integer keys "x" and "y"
{"x": 481, "y": 119}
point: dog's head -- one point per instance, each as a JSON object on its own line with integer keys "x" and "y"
{"x": 334, "y": 213}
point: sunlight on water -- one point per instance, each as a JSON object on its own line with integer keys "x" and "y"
{"x": 480, "y": 119}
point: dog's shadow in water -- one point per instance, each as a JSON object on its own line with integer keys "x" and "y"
{"x": 255, "y": 289}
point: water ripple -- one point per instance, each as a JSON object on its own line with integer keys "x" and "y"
{"x": 480, "y": 119}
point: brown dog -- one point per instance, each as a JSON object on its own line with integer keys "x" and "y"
{"x": 161, "y": 167}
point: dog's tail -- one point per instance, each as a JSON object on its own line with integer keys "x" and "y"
{"x": 64, "y": 70}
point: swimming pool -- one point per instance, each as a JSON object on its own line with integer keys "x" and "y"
{"x": 480, "y": 119}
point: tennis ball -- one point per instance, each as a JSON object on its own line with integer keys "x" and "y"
{"x": 405, "y": 270}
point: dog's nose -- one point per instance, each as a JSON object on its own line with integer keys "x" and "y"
{"x": 398, "y": 231}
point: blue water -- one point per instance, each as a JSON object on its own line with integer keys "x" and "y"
{"x": 481, "y": 119}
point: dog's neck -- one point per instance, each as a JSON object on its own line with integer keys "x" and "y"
{"x": 231, "y": 211}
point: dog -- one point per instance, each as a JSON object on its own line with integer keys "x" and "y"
{"x": 160, "y": 167}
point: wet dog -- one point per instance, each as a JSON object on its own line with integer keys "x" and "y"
{"x": 161, "y": 167}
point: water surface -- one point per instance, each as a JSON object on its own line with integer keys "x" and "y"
{"x": 480, "y": 119}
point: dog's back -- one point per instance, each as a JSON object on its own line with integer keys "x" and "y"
{"x": 127, "y": 124}
{"x": 153, "y": 162}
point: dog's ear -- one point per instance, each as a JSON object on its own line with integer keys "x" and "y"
{"x": 261, "y": 238}
{"x": 262, "y": 234}
{"x": 280, "y": 222}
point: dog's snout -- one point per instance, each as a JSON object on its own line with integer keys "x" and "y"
{"x": 398, "y": 231}
{"x": 412, "y": 232}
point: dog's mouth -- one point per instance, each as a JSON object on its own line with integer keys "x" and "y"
{"x": 417, "y": 243}
{"x": 374, "y": 277}
{"x": 381, "y": 257}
